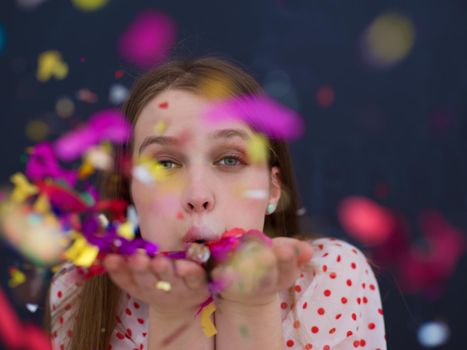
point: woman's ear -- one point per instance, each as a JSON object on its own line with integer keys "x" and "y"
{"x": 275, "y": 189}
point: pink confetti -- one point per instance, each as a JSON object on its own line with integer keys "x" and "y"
{"x": 365, "y": 220}
{"x": 148, "y": 39}
{"x": 108, "y": 125}
{"x": 261, "y": 113}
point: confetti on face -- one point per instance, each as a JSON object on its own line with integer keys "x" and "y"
{"x": 50, "y": 65}
{"x": 388, "y": 40}
{"x": 256, "y": 194}
{"x": 160, "y": 127}
{"x": 107, "y": 125}
{"x": 261, "y": 113}
{"x": 89, "y": 5}
{"x": 365, "y": 220}
{"x": 148, "y": 39}
{"x": 65, "y": 107}
{"x": 17, "y": 277}
{"x": 257, "y": 149}
{"x": 118, "y": 94}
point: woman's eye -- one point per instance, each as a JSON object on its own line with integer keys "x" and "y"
{"x": 168, "y": 164}
{"x": 230, "y": 161}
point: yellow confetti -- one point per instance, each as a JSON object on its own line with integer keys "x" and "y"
{"x": 81, "y": 253}
{"x": 50, "y": 65}
{"x": 216, "y": 87}
{"x": 42, "y": 205}
{"x": 160, "y": 127}
{"x": 257, "y": 149}
{"x": 126, "y": 230}
{"x": 16, "y": 277}
{"x": 89, "y": 5}
{"x": 207, "y": 325}
{"x": 37, "y": 130}
{"x": 23, "y": 188}
{"x": 85, "y": 170}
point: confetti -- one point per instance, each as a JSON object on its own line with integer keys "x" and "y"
{"x": 365, "y": 220}
{"x": 261, "y": 113}
{"x": 148, "y": 39}
{"x": 89, "y": 5}
{"x": 50, "y": 65}
{"x": 257, "y": 149}
{"x": 37, "y": 130}
{"x": 388, "y": 40}
{"x": 433, "y": 334}
{"x": 108, "y": 125}
{"x": 29, "y": 4}
{"x": 32, "y": 307}
{"x": 118, "y": 94}
{"x": 2, "y": 38}
{"x": 17, "y": 277}
{"x": 207, "y": 324}
{"x": 64, "y": 107}
{"x": 87, "y": 96}
{"x": 325, "y": 96}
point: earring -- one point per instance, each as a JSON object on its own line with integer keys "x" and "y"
{"x": 271, "y": 208}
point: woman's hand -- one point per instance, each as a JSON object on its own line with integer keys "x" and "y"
{"x": 257, "y": 272}
{"x": 138, "y": 275}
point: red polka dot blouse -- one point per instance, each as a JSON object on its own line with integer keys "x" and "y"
{"x": 336, "y": 305}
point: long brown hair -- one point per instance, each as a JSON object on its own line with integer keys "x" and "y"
{"x": 99, "y": 298}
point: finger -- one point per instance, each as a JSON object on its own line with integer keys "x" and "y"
{"x": 119, "y": 272}
{"x": 192, "y": 274}
{"x": 287, "y": 265}
{"x": 141, "y": 272}
{"x": 165, "y": 271}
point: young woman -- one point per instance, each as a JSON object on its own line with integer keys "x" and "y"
{"x": 318, "y": 294}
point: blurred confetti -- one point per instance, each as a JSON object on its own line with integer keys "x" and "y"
{"x": 260, "y": 112}
{"x": 89, "y": 5}
{"x": 17, "y": 277}
{"x": 86, "y": 95}
{"x": 118, "y": 94}
{"x": 325, "y": 96}
{"x": 365, "y": 220}
{"x": 51, "y": 65}
{"x": 37, "y": 130}
{"x": 65, "y": 107}
{"x": 433, "y": 334}
{"x": 388, "y": 40}
{"x": 2, "y": 38}
{"x": 29, "y": 4}
{"x": 148, "y": 39}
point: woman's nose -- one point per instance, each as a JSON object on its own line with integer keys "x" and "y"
{"x": 199, "y": 205}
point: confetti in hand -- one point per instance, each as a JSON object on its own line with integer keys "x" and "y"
{"x": 50, "y": 65}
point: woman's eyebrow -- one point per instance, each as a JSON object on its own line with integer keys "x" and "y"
{"x": 173, "y": 141}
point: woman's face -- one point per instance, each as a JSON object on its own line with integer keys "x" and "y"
{"x": 210, "y": 184}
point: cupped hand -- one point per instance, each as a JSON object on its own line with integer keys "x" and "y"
{"x": 139, "y": 274}
{"x": 258, "y": 271}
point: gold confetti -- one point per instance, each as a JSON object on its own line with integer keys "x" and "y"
{"x": 50, "y": 65}
{"x": 89, "y": 5}
{"x": 23, "y": 188}
{"x": 207, "y": 325}
{"x": 16, "y": 277}
{"x": 257, "y": 149}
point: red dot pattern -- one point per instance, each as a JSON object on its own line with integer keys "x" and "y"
{"x": 336, "y": 306}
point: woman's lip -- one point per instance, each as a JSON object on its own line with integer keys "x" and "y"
{"x": 197, "y": 233}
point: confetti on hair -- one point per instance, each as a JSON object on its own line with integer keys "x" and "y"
{"x": 51, "y": 65}
{"x": 261, "y": 113}
{"x": 148, "y": 39}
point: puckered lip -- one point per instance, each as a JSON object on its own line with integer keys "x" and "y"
{"x": 200, "y": 233}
